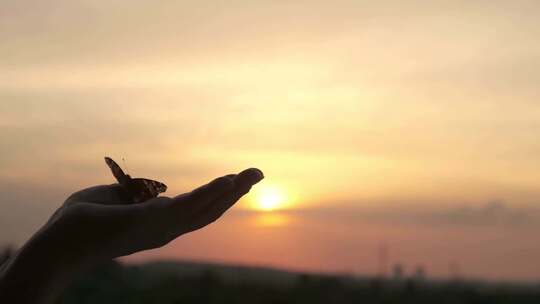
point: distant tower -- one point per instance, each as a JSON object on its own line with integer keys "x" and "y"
{"x": 383, "y": 260}
{"x": 420, "y": 273}
{"x": 398, "y": 272}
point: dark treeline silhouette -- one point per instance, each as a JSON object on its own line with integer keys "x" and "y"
{"x": 184, "y": 282}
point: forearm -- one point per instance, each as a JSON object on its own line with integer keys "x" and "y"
{"x": 35, "y": 274}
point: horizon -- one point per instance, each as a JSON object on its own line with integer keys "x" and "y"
{"x": 409, "y": 125}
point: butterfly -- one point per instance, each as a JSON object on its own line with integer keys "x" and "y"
{"x": 140, "y": 189}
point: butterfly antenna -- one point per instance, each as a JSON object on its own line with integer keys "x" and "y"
{"x": 125, "y": 166}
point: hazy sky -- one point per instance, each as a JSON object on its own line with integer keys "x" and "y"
{"x": 409, "y": 123}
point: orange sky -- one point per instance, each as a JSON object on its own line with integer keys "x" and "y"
{"x": 420, "y": 114}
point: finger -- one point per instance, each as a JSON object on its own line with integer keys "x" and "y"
{"x": 170, "y": 210}
{"x": 203, "y": 195}
{"x": 242, "y": 184}
{"x": 176, "y": 214}
{"x": 247, "y": 178}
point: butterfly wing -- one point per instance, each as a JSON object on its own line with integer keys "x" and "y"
{"x": 143, "y": 189}
{"x": 120, "y": 176}
{"x": 140, "y": 189}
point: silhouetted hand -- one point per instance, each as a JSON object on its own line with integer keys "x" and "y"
{"x": 101, "y": 223}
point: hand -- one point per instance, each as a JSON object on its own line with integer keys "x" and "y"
{"x": 100, "y": 223}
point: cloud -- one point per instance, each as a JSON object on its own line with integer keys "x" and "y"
{"x": 492, "y": 214}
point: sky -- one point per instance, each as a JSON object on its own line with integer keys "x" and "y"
{"x": 405, "y": 125}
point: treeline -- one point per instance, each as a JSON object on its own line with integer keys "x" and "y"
{"x": 114, "y": 283}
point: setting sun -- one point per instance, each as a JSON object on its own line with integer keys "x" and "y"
{"x": 269, "y": 198}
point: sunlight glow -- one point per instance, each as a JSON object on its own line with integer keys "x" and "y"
{"x": 269, "y": 198}
{"x": 271, "y": 220}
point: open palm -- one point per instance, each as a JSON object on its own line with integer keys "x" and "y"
{"x": 101, "y": 222}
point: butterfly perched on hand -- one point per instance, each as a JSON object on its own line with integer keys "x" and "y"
{"x": 140, "y": 189}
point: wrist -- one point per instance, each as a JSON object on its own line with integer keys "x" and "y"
{"x": 37, "y": 273}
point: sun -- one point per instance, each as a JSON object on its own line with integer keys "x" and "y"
{"x": 269, "y": 198}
